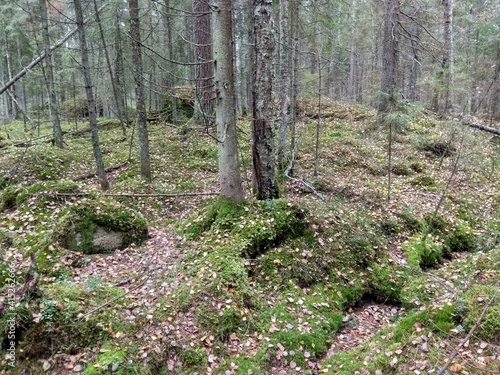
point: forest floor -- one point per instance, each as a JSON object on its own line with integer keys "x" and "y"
{"x": 371, "y": 280}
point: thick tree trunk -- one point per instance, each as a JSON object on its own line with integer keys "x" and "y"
{"x": 225, "y": 102}
{"x": 204, "y": 69}
{"x": 90, "y": 97}
{"x": 49, "y": 77}
{"x": 263, "y": 142}
{"x": 139, "y": 89}
{"x": 390, "y": 58}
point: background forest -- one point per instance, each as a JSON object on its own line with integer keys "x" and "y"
{"x": 249, "y": 187}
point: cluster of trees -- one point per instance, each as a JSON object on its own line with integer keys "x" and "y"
{"x": 247, "y": 57}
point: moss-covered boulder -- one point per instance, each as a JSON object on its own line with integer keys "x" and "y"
{"x": 99, "y": 226}
{"x": 178, "y": 104}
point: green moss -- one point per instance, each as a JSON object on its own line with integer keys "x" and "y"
{"x": 194, "y": 358}
{"x": 423, "y": 251}
{"x": 417, "y": 166}
{"x": 426, "y": 181}
{"x": 77, "y": 228}
{"x": 475, "y": 300}
{"x": 410, "y": 222}
{"x": 9, "y": 197}
{"x": 386, "y": 282}
{"x": 461, "y": 238}
{"x": 109, "y": 360}
{"x": 390, "y": 226}
{"x": 401, "y": 169}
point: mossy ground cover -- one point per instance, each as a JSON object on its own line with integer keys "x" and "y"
{"x": 264, "y": 286}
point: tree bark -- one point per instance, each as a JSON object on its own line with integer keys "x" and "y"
{"x": 390, "y": 58}
{"x": 448, "y": 54}
{"x": 139, "y": 90}
{"x": 284, "y": 82}
{"x": 263, "y": 148}
{"x": 90, "y": 97}
{"x": 225, "y": 102}
{"x": 116, "y": 96}
{"x": 49, "y": 77}
{"x": 204, "y": 68}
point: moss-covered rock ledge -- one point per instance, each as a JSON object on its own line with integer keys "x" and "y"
{"x": 99, "y": 226}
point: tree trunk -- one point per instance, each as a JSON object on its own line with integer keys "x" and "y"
{"x": 263, "y": 148}
{"x": 116, "y": 96}
{"x": 225, "y": 102}
{"x": 294, "y": 77}
{"x": 390, "y": 58}
{"x": 90, "y": 97}
{"x": 139, "y": 89}
{"x": 448, "y": 54}
{"x": 204, "y": 68}
{"x": 119, "y": 69}
{"x": 284, "y": 82}
{"x": 415, "y": 62}
{"x": 49, "y": 77}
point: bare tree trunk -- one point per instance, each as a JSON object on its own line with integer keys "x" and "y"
{"x": 101, "y": 172}
{"x": 139, "y": 89}
{"x": 119, "y": 69}
{"x": 263, "y": 148}
{"x": 225, "y": 102}
{"x": 390, "y": 58}
{"x": 448, "y": 54}
{"x": 49, "y": 77}
{"x": 116, "y": 96}
{"x": 284, "y": 82}
{"x": 294, "y": 77}
{"x": 204, "y": 69}
{"x": 415, "y": 62}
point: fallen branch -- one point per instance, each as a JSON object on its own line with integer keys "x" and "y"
{"x": 480, "y": 127}
{"x": 467, "y": 338}
{"x": 301, "y": 180}
{"x": 136, "y": 195}
{"x": 107, "y": 170}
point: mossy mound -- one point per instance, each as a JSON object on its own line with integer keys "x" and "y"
{"x": 475, "y": 301}
{"x": 252, "y": 227}
{"x": 99, "y": 226}
{"x": 56, "y": 321}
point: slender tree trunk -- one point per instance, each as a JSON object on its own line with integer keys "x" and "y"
{"x": 116, "y": 97}
{"x": 390, "y": 58}
{"x": 415, "y": 63}
{"x": 263, "y": 147}
{"x": 11, "y": 103}
{"x": 139, "y": 90}
{"x": 204, "y": 69}
{"x": 294, "y": 77}
{"x": 225, "y": 102}
{"x": 119, "y": 69}
{"x": 90, "y": 97}
{"x": 49, "y": 76}
{"x": 448, "y": 54}
{"x": 284, "y": 82}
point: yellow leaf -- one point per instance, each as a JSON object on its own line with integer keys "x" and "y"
{"x": 456, "y": 367}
